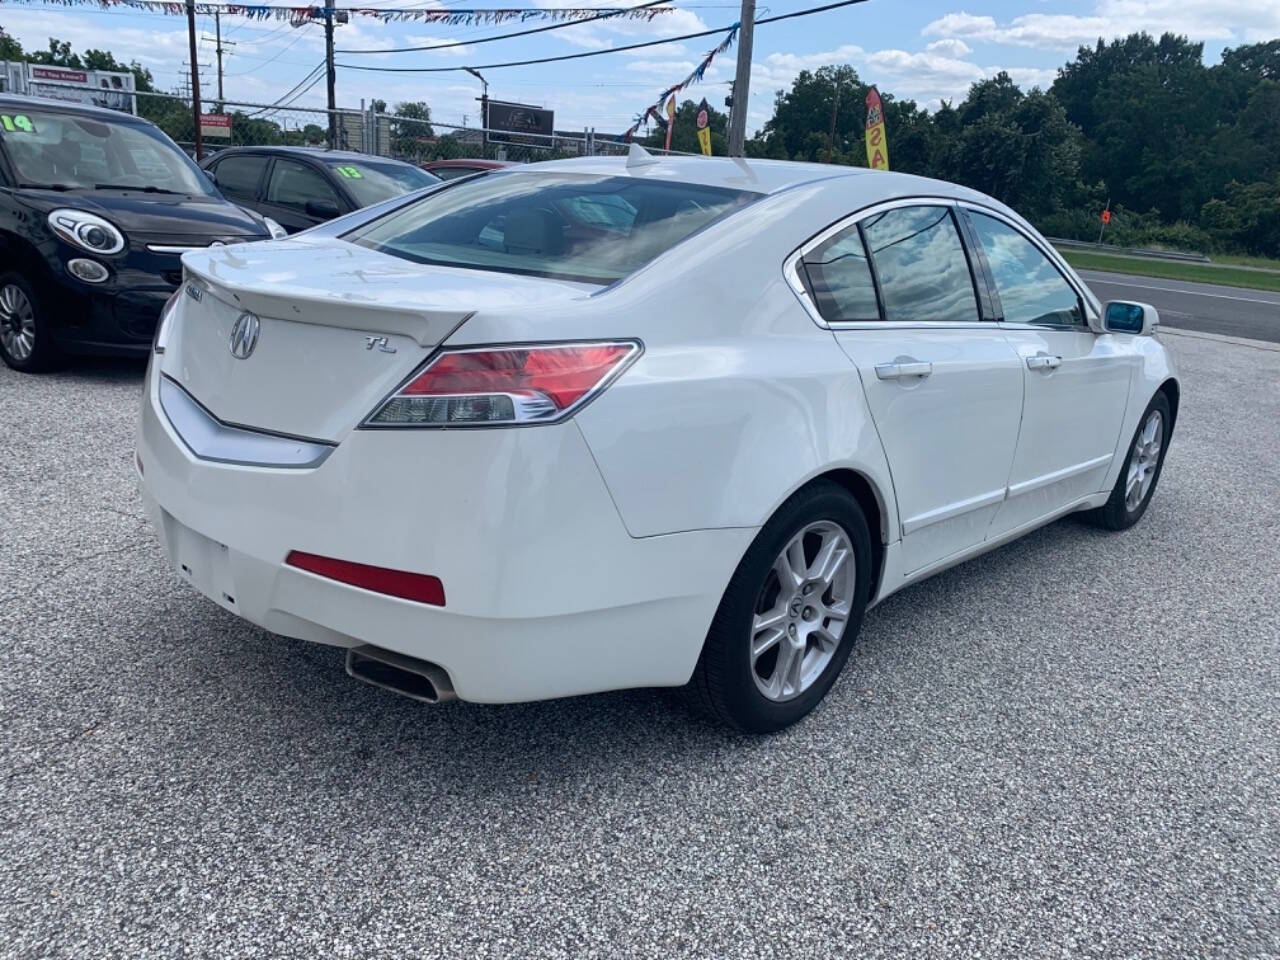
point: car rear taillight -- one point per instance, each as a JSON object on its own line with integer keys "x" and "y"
{"x": 539, "y": 383}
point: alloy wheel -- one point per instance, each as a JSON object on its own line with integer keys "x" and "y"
{"x": 17, "y": 323}
{"x": 803, "y": 608}
{"x": 1143, "y": 461}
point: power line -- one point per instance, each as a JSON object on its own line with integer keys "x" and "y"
{"x": 270, "y": 59}
{"x": 507, "y": 36}
{"x": 598, "y": 53}
{"x": 312, "y": 75}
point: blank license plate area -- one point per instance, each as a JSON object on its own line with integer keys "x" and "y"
{"x": 204, "y": 563}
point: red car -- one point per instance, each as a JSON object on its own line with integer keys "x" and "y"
{"x": 451, "y": 169}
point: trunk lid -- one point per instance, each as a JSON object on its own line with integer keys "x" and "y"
{"x": 324, "y": 306}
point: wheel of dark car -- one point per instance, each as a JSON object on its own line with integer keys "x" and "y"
{"x": 25, "y": 343}
{"x": 1137, "y": 481}
{"x": 788, "y": 619}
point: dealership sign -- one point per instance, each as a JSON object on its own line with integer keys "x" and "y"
{"x": 518, "y": 123}
{"x": 215, "y": 125}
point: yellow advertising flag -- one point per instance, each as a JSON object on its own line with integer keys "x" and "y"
{"x": 704, "y": 129}
{"x": 877, "y": 143}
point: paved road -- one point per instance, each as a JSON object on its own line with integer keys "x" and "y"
{"x": 1206, "y": 307}
{"x": 1066, "y": 748}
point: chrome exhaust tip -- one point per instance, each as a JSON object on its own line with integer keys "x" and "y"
{"x": 407, "y": 676}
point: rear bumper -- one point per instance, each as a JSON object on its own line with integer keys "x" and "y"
{"x": 546, "y": 593}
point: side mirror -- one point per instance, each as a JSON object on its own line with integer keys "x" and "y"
{"x": 1126, "y": 316}
{"x": 324, "y": 209}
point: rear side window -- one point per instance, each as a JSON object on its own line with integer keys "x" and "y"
{"x": 839, "y": 279}
{"x": 239, "y": 176}
{"x": 1031, "y": 288}
{"x": 921, "y": 264}
{"x": 591, "y": 229}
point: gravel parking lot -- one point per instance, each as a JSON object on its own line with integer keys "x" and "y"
{"x": 1066, "y": 748}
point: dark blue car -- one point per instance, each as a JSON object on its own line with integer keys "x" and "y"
{"x": 96, "y": 209}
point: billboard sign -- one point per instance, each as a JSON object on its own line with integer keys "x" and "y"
{"x": 215, "y": 125}
{"x": 519, "y": 123}
{"x": 99, "y": 88}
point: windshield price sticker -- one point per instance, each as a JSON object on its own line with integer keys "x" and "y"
{"x": 351, "y": 173}
{"x": 20, "y": 123}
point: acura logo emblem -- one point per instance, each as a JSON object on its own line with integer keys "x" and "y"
{"x": 244, "y": 335}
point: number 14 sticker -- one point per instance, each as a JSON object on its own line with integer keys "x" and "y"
{"x": 17, "y": 124}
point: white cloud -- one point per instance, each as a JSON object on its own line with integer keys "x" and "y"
{"x": 950, "y": 47}
{"x": 928, "y": 76}
{"x": 419, "y": 40}
{"x": 1209, "y": 20}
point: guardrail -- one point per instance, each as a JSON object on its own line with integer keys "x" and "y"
{"x": 1129, "y": 251}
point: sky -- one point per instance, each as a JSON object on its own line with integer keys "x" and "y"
{"x": 926, "y": 51}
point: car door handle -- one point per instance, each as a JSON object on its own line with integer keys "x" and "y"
{"x": 899, "y": 370}
{"x": 1043, "y": 362}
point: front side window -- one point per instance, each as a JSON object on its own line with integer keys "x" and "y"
{"x": 592, "y": 229}
{"x": 921, "y": 264}
{"x": 63, "y": 150}
{"x": 239, "y": 176}
{"x": 292, "y": 184}
{"x": 372, "y": 181}
{"x": 1030, "y": 287}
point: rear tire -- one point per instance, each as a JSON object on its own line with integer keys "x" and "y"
{"x": 25, "y": 341}
{"x": 1144, "y": 460}
{"x": 789, "y": 616}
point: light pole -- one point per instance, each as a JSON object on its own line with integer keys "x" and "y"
{"x": 484, "y": 110}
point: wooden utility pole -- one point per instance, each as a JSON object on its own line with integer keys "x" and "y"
{"x": 331, "y": 74}
{"x": 195, "y": 78}
{"x": 219, "y": 47}
{"x": 742, "y": 81}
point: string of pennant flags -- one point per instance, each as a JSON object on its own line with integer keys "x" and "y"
{"x": 299, "y": 15}
{"x": 654, "y": 111}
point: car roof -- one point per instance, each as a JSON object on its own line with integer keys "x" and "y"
{"x": 314, "y": 153}
{"x": 471, "y": 162}
{"x": 760, "y": 176}
{"x": 11, "y": 101}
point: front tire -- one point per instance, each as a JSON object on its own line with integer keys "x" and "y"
{"x": 789, "y": 617}
{"x": 1136, "y": 484}
{"x": 25, "y": 341}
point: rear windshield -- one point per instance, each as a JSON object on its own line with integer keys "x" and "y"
{"x": 63, "y": 150}
{"x": 591, "y": 229}
{"x": 372, "y": 181}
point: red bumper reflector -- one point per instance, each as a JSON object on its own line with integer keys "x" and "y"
{"x": 418, "y": 587}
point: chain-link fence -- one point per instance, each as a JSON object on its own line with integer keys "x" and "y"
{"x": 410, "y": 138}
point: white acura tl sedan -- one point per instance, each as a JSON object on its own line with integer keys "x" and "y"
{"x": 607, "y": 423}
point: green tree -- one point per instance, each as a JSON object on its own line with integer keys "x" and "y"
{"x": 10, "y": 49}
{"x": 409, "y": 135}
{"x": 1019, "y": 148}
{"x": 802, "y": 123}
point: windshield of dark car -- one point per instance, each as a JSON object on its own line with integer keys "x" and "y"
{"x": 592, "y": 229}
{"x": 371, "y": 182}
{"x": 62, "y": 149}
